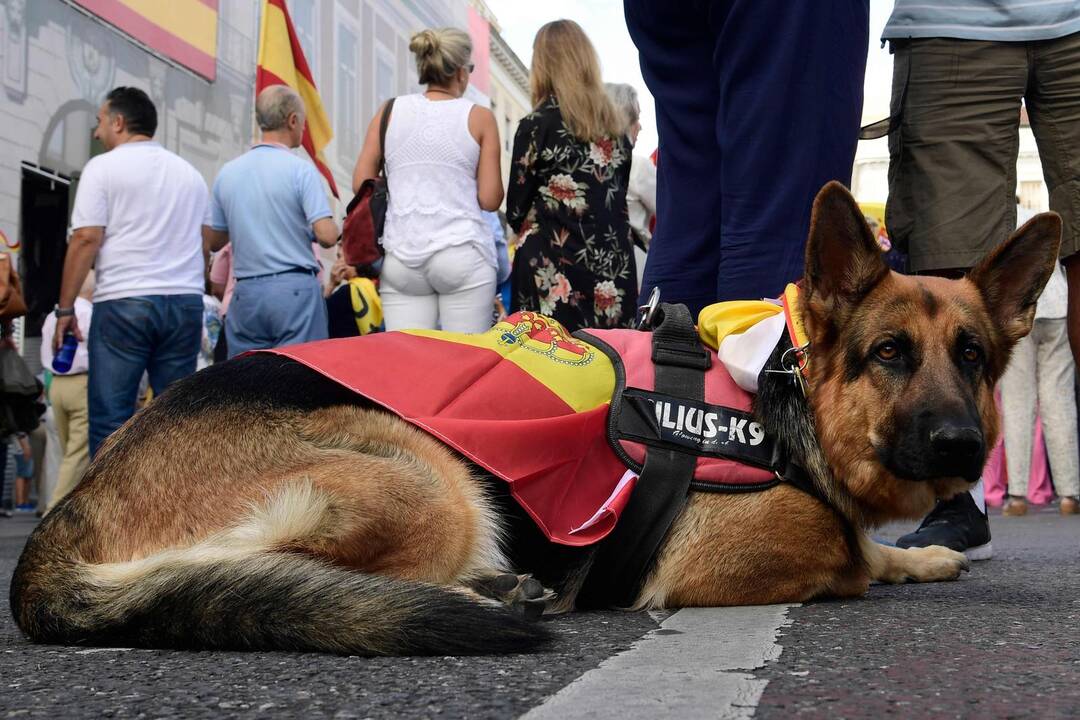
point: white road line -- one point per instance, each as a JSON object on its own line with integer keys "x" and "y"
{"x": 694, "y": 666}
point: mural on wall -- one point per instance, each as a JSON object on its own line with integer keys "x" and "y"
{"x": 91, "y": 56}
{"x": 14, "y": 49}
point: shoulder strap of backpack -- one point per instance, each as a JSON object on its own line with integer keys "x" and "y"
{"x": 383, "y": 122}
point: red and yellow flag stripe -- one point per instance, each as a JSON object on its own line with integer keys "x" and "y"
{"x": 282, "y": 62}
{"x": 182, "y": 30}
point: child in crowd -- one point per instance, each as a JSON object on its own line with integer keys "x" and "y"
{"x": 24, "y": 473}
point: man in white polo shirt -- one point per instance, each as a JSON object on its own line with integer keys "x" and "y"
{"x": 138, "y": 218}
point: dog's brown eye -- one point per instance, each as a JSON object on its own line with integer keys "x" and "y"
{"x": 971, "y": 354}
{"x": 888, "y": 351}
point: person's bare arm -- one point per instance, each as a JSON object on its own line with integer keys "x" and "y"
{"x": 326, "y": 232}
{"x": 489, "y": 187}
{"x": 214, "y": 240}
{"x": 83, "y": 248}
{"x": 367, "y": 164}
{"x": 211, "y": 242}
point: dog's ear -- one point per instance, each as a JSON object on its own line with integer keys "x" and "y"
{"x": 843, "y": 260}
{"x": 1013, "y": 275}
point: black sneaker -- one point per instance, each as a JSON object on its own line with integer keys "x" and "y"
{"x": 958, "y": 524}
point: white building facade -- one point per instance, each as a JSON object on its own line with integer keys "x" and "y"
{"x": 58, "y": 60}
{"x": 57, "y": 63}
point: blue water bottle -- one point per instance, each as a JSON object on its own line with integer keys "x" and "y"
{"x": 65, "y": 356}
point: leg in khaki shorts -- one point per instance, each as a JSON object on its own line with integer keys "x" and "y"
{"x": 953, "y": 146}
{"x": 67, "y": 393}
{"x": 952, "y": 165}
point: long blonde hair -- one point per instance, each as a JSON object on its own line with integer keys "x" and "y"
{"x": 565, "y": 65}
{"x": 440, "y": 53}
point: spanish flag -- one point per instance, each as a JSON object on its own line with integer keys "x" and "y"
{"x": 282, "y": 62}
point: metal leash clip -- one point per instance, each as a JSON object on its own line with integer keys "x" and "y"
{"x": 793, "y": 361}
{"x": 646, "y": 312}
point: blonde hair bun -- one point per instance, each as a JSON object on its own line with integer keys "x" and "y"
{"x": 424, "y": 43}
{"x": 440, "y": 53}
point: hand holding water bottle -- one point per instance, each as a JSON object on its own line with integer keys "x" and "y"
{"x": 64, "y": 357}
{"x": 66, "y": 324}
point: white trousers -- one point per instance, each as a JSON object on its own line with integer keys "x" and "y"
{"x": 453, "y": 290}
{"x": 1041, "y": 372}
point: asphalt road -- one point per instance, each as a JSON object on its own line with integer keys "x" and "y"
{"x": 1002, "y": 642}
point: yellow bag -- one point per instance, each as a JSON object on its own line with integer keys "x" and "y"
{"x": 366, "y": 304}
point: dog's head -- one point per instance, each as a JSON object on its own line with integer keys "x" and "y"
{"x": 902, "y": 368}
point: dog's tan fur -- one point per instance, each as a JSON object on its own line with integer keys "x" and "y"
{"x": 362, "y": 490}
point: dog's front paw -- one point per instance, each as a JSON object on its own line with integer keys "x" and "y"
{"x": 523, "y": 593}
{"x": 933, "y": 564}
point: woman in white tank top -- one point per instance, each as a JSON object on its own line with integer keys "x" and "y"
{"x": 442, "y": 168}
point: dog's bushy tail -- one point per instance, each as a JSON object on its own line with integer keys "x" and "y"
{"x": 232, "y": 591}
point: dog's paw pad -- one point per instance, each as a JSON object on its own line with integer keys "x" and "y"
{"x": 532, "y": 589}
{"x": 504, "y": 584}
{"x": 523, "y": 593}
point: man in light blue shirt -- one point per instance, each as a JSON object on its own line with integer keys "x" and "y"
{"x": 271, "y": 205}
{"x": 997, "y": 20}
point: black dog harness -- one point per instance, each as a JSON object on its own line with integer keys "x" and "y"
{"x": 680, "y": 362}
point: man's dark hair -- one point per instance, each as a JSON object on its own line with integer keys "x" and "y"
{"x": 139, "y": 112}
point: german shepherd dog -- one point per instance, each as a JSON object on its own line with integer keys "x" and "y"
{"x": 258, "y": 504}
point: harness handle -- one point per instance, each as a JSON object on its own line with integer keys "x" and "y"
{"x": 625, "y": 556}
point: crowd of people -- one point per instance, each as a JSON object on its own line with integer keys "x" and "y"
{"x": 182, "y": 275}
{"x": 182, "y": 270}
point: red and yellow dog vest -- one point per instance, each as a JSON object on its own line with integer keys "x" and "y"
{"x": 564, "y": 420}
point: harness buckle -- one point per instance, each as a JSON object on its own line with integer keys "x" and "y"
{"x": 646, "y": 312}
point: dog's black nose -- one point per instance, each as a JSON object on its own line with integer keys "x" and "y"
{"x": 956, "y": 442}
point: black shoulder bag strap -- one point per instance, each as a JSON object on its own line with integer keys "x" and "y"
{"x": 384, "y": 121}
{"x": 625, "y": 556}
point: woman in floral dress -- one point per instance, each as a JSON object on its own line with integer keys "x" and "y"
{"x": 567, "y": 194}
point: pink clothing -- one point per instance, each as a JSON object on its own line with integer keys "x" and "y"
{"x": 221, "y": 274}
{"x": 996, "y": 477}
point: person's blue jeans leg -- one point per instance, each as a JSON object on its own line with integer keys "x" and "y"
{"x": 4, "y": 490}
{"x": 179, "y": 337}
{"x": 158, "y": 334}
{"x": 120, "y": 342}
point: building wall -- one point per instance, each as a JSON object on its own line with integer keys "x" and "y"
{"x": 359, "y": 55}
{"x": 57, "y": 62}
{"x": 509, "y": 98}
{"x": 57, "y": 65}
